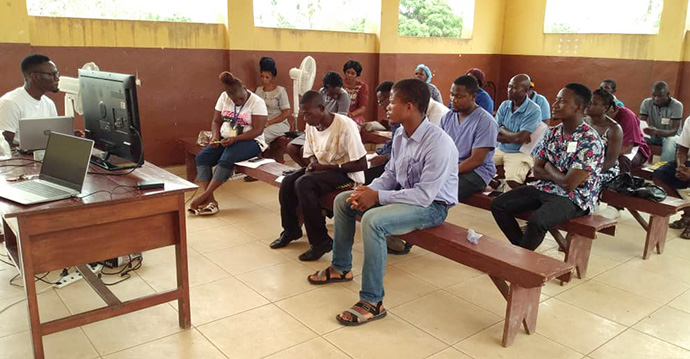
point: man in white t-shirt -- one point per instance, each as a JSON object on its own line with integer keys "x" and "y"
{"x": 40, "y": 76}
{"x": 674, "y": 177}
{"x": 335, "y": 99}
{"x": 337, "y": 158}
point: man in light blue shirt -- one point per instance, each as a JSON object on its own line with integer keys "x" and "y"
{"x": 419, "y": 184}
{"x": 541, "y": 101}
{"x": 517, "y": 118}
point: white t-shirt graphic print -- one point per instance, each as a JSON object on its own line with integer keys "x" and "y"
{"x": 254, "y": 105}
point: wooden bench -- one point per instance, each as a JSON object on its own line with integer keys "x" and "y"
{"x": 518, "y": 273}
{"x": 577, "y": 244}
{"x": 276, "y": 151}
{"x": 659, "y": 212}
{"x": 581, "y": 231}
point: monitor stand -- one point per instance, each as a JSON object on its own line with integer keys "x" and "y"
{"x": 111, "y": 163}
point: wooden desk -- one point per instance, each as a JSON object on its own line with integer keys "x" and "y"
{"x": 74, "y": 232}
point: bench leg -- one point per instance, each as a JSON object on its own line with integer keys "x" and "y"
{"x": 522, "y": 308}
{"x": 577, "y": 252}
{"x": 190, "y": 166}
{"x": 656, "y": 235}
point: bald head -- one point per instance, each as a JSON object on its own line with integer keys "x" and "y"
{"x": 518, "y": 88}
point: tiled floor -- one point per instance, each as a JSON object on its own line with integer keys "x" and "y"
{"x": 249, "y": 301}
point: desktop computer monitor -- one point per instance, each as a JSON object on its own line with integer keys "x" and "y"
{"x": 111, "y": 118}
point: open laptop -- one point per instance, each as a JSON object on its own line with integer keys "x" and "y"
{"x": 33, "y": 132}
{"x": 62, "y": 174}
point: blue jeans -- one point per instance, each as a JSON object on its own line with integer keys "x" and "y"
{"x": 224, "y": 158}
{"x": 377, "y": 223}
{"x": 668, "y": 146}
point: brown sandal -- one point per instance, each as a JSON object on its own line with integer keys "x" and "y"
{"x": 682, "y": 223}
{"x": 327, "y": 272}
{"x": 686, "y": 233}
{"x": 358, "y": 318}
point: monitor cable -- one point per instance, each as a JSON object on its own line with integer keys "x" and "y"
{"x": 140, "y": 162}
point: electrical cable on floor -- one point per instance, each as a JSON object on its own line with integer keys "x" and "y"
{"x": 6, "y": 262}
{"x": 124, "y": 271}
{"x": 21, "y": 300}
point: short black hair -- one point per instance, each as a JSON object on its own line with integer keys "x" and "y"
{"x": 268, "y": 64}
{"x": 471, "y": 84}
{"x": 660, "y": 86}
{"x": 31, "y": 61}
{"x": 606, "y": 96}
{"x": 583, "y": 96}
{"x": 311, "y": 97}
{"x": 352, "y": 64}
{"x": 385, "y": 87}
{"x": 332, "y": 79}
{"x": 415, "y": 91}
{"x": 613, "y": 83}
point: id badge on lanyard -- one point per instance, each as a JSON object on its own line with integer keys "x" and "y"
{"x": 235, "y": 129}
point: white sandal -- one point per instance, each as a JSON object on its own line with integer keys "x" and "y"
{"x": 210, "y": 209}
{"x": 193, "y": 211}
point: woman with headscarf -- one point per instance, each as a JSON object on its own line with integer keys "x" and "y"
{"x": 423, "y": 73}
{"x": 484, "y": 100}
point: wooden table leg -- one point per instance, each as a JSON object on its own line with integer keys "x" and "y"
{"x": 656, "y": 235}
{"x": 27, "y": 269}
{"x": 183, "y": 304}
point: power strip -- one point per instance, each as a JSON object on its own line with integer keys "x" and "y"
{"x": 75, "y": 277}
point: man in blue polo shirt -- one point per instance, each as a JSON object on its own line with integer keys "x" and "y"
{"x": 517, "y": 118}
{"x": 541, "y": 101}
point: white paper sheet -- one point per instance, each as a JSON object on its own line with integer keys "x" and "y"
{"x": 534, "y": 139}
{"x": 280, "y": 179}
{"x": 633, "y": 153}
{"x": 256, "y": 164}
{"x": 643, "y": 125}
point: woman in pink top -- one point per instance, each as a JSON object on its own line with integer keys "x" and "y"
{"x": 634, "y": 151}
{"x": 356, "y": 89}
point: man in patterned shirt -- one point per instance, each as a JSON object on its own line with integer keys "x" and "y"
{"x": 568, "y": 162}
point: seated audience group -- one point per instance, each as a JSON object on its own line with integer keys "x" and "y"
{"x": 437, "y": 156}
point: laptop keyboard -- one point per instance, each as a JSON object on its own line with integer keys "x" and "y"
{"x": 40, "y": 189}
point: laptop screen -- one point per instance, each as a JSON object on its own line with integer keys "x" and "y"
{"x": 66, "y": 160}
